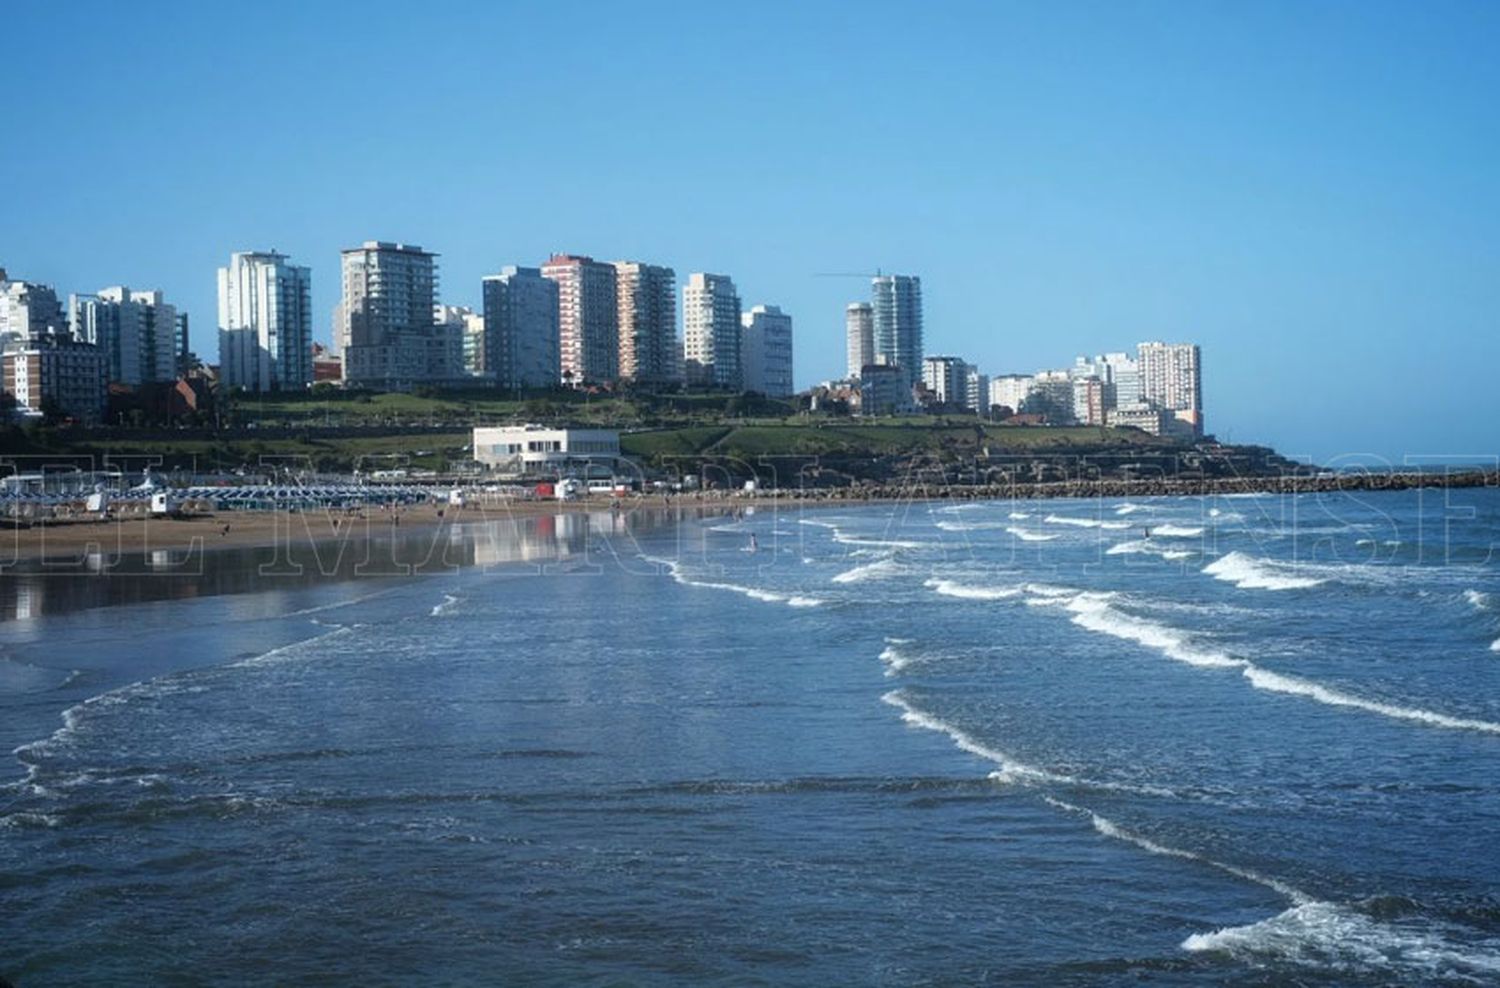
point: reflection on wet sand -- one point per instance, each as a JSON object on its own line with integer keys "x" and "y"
{"x": 32, "y": 588}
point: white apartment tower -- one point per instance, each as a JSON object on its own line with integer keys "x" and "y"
{"x": 27, "y": 311}
{"x": 520, "y": 344}
{"x": 1171, "y": 379}
{"x": 137, "y": 332}
{"x": 947, "y": 378}
{"x": 859, "y": 325}
{"x": 588, "y": 318}
{"x": 265, "y": 323}
{"x": 711, "y": 331}
{"x": 766, "y": 351}
{"x": 385, "y": 327}
{"x": 897, "y": 303}
{"x": 647, "y": 298}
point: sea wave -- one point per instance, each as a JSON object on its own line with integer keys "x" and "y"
{"x": 1142, "y": 547}
{"x": 674, "y": 569}
{"x": 1097, "y": 612}
{"x": 1019, "y": 515}
{"x": 1250, "y": 573}
{"x": 1326, "y": 935}
{"x": 1087, "y": 522}
{"x": 1128, "y": 508}
{"x": 894, "y": 657}
{"x": 1010, "y": 769}
{"x": 1177, "y": 531}
{"x": 880, "y": 569}
{"x": 1479, "y": 600}
{"x": 1026, "y": 536}
{"x": 448, "y": 603}
{"x": 965, "y": 591}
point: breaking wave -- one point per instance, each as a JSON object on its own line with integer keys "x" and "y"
{"x": 1250, "y": 573}
{"x": 1087, "y": 522}
{"x": 674, "y": 569}
{"x": 1026, "y": 536}
{"x": 870, "y": 571}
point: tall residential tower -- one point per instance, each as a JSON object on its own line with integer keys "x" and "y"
{"x": 265, "y": 322}
{"x": 766, "y": 351}
{"x": 859, "y": 325}
{"x": 519, "y": 347}
{"x": 385, "y": 326}
{"x": 711, "y": 331}
{"x": 897, "y": 303}
{"x": 647, "y": 295}
{"x": 588, "y": 318}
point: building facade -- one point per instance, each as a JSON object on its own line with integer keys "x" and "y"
{"x": 265, "y": 323}
{"x": 711, "y": 331}
{"x": 766, "y": 351}
{"x": 28, "y": 310}
{"x": 138, "y": 332}
{"x": 588, "y": 319}
{"x": 647, "y": 302}
{"x": 896, "y": 301}
{"x": 1009, "y": 391}
{"x": 385, "y": 328}
{"x": 1171, "y": 379}
{"x": 54, "y": 373}
{"x": 884, "y": 390}
{"x": 521, "y": 338}
{"x": 859, "y": 329}
{"x": 522, "y": 450}
{"x": 947, "y": 378}
{"x": 976, "y": 391}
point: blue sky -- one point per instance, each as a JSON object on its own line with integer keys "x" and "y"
{"x": 1308, "y": 190}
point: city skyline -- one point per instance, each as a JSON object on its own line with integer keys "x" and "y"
{"x": 1279, "y": 212}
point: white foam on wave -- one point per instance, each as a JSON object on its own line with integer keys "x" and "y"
{"x": 1177, "y": 531}
{"x": 1087, "y": 522}
{"x": 894, "y": 658}
{"x": 1094, "y": 611}
{"x": 1478, "y": 599}
{"x": 1250, "y": 573}
{"x": 1108, "y": 828}
{"x": 341, "y": 603}
{"x": 958, "y": 526}
{"x": 1495, "y": 645}
{"x": 1026, "y": 536}
{"x": 1143, "y": 547}
{"x": 1127, "y": 508}
{"x": 1019, "y": 515}
{"x": 878, "y": 570}
{"x": 674, "y": 569}
{"x": 1325, "y": 935}
{"x": 448, "y": 603}
{"x": 1010, "y": 769}
{"x": 964, "y": 591}
{"x": 844, "y": 539}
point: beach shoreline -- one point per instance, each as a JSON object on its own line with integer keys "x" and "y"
{"x": 73, "y": 539}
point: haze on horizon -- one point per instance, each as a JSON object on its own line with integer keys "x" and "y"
{"x": 1308, "y": 191}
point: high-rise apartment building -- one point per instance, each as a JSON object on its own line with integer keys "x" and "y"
{"x": 588, "y": 318}
{"x": 1010, "y": 390}
{"x": 766, "y": 351}
{"x": 53, "y": 373}
{"x": 976, "y": 390}
{"x": 1171, "y": 379}
{"x": 521, "y": 329}
{"x": 859, "y": 326}
{"x": 137, "y": 332}
{"x": 897, "y": 303}
{"x": 947, "y": 378}
{"x": 711, "y": 331}
{"x": 385, "y": 327}
{"x": 647, "y": 301}
{"x": 28, "y": 310}
{"x": 265, "y": 323}
{"x": 453, "y": 324}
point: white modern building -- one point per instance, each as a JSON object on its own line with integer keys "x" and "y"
{"x": 1010, "y": 390}
{"x": 521, "y": 334}
{"x": 137, "y": 332}
{"x": 859, "y": 328}
{"x": 588, "y": 318}
{"x": 711, "y": 331}
{"x": 947, "y": 378}
{"x": 265, "y": 323}
{"x": 27, "y": 310}
{"x": 1171, "y": 379}
{"x": 766, "y": 351}
{"x": 647, "y": 300}
{"x": 385, "y": 329}
{"x": 976, "y": 390}
{"x": 522, "y": 450}
{"x": 896, "y": 301}
{"x": 884, "y": 390}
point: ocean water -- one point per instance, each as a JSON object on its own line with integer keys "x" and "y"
{"x": 1237, "y": 740}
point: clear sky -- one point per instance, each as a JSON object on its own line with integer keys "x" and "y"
{"x": 1309, "y": 190}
